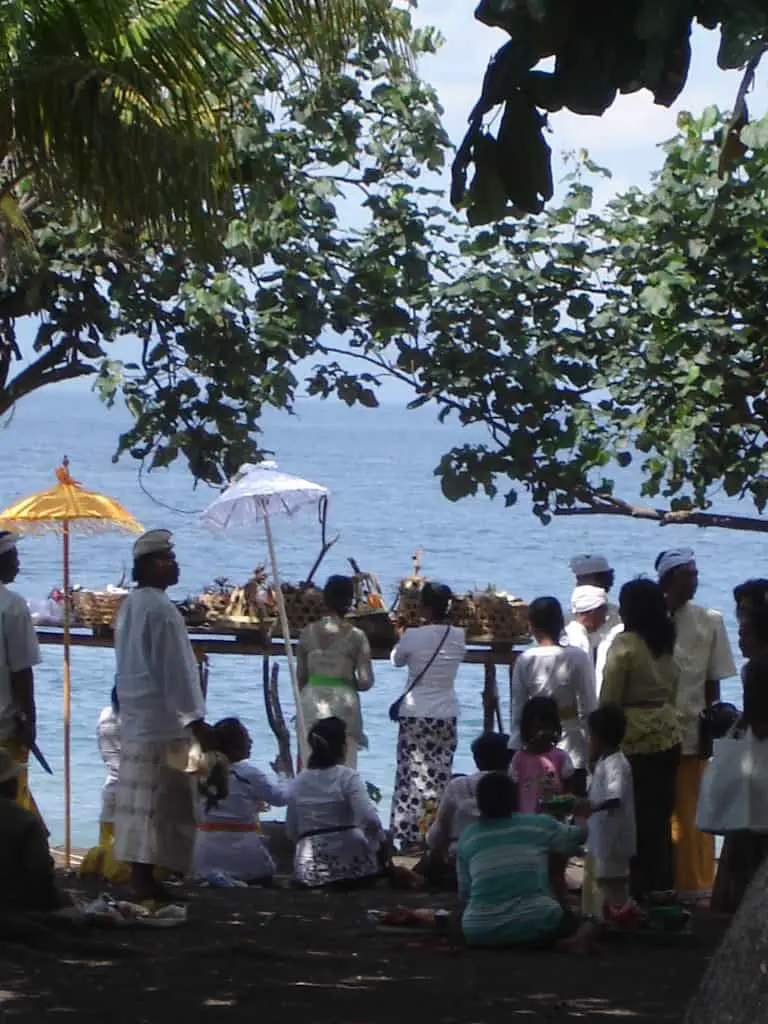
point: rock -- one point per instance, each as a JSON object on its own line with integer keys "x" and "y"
{"x": 735, "y": 987}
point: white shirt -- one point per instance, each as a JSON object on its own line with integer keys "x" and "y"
{"x": 19, "y": 650}
{"x": 577, "y": 635}
{"x": 458, "y": 808}
{"x": 595, "y": 644}
{"x": 434, "y": 696}
{"x": 611, "y": 839}
{"x": 108, "y": 738}
{"x": 703, "y": 654}
{"x": 158, "y": 684}
{"x": 249, "y": 788}
{"x": 243, "y": 855}
{"x": 602, "y": 654}
{"x": 328, "y": 798}
{"x": 567, "y": 675}
{"x": 612, "y": 620}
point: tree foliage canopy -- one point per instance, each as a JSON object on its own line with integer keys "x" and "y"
{"x": 574, "y": 342}
{"x": 126, "y": 105}
{"x": 221, "y": 333}
{"x": 584, "y": 341}
{"x": 579, "y": 56}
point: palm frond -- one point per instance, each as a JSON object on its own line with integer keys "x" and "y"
{"x": 122, "y": 103}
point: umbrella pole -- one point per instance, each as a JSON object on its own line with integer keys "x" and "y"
{"x": 300, "y": 727}
{"x": 67, "y": 707}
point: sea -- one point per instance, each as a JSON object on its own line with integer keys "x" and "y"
{"x": 385, "y": 504}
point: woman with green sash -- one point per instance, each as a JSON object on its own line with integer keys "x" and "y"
{"x": 334, "y": 666}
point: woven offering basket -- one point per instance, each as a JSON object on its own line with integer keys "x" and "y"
{"x": 377, "y": 626}
{"x": 407, "y": 609}
{"x": 96, "y": 608}
{"x": 500, "y": 618}
{"x": 464, "y": 614}
{"x": 302, "y": 606}
{"x": 215, "y": 605}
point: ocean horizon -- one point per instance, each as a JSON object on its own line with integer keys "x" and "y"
{"x": 385, "y": 504}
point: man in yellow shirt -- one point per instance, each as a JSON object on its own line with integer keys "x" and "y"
{"x": 703, "y": 654}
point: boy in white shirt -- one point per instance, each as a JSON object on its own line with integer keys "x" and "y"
{"x": 610, "y": 805}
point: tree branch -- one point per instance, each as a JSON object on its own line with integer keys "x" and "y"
{"x": 45, "y": 370}
{"x": 605, "y": 505}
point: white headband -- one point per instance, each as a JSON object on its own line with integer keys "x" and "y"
{"x": 587, "y": 599}
{"x": 669, "y": 560}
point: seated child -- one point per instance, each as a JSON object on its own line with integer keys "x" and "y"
{"x": 502, "y": 863}
{"x": 331, "y": 818}
{"x": 228, "y": 839}
{"x": 542, "y": 770}
{"x": 610, "y": 805}
{"x": 458, "y": 808}
{"x": 27, "y": 878}
{"x": 99, "y": 860}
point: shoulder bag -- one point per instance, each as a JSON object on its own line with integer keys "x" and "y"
{"x": 394, "y": 710}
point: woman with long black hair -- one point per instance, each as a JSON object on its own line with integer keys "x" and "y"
{"x": 641, "y": 677}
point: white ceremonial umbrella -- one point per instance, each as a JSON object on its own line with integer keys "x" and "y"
{"x": 259, "y": 492}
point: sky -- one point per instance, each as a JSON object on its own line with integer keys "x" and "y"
{"x": 625, "y": 139}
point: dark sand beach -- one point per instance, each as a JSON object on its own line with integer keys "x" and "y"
{"x": 284, "y": 954}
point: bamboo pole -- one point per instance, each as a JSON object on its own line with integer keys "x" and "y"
{"x": 67, "y": 706}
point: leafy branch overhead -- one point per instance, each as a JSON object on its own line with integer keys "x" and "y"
{"x": 125, "y": 104}
{"x": 198, "y": 340}
{"x": 580, "y": 56}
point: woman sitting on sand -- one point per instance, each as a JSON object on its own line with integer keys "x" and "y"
{"x": 334, "y": 666}
{"x": 503, "y": 872}
{"x": 331, "y": 819}
{"x": 228, "y": 839}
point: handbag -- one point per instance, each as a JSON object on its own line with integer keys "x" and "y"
{"x": 394, "y": 709}
{"x": 715, "y": 722}
{"x": 733, "y": 796}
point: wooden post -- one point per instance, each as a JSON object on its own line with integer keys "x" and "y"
{"x": 515, "y": 656}
{"x": 275, "y": 716}
{"x": 490, "y": 695}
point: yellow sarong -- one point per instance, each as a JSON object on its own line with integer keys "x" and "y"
{"x": 20, "y": 755}
{"x": 694, "y": 850}
{"x": 100, "y": 860}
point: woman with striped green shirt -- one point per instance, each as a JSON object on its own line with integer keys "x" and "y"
{"x": 502, "y": 864}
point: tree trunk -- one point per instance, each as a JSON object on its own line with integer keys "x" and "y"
{"x": 735, "y": 986}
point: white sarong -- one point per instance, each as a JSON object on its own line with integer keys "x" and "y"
{"x": 155, "y": 813}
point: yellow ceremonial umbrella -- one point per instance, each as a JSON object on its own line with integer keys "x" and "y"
{"x": 62, "y": 508}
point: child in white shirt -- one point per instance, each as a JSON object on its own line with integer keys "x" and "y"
{"x": 611, "y": 841}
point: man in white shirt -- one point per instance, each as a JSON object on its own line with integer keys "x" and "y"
{"x": 596, "y": 571}
{"x": 162, "y": 710}
{"x": 703, "y": 655}
{"x": 19, "y": 653}
{"x": 589, "y": 607}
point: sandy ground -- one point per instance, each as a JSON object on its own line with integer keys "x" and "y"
{"x": 289, "y": 955}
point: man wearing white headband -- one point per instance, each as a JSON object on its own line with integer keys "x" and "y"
{"x": 704, "y": 657}
{"x": 162, "y": 709}
{"x": 586, "y": 630}
{"x": 19, "y": 653}
{"x": 595, "y": 571}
